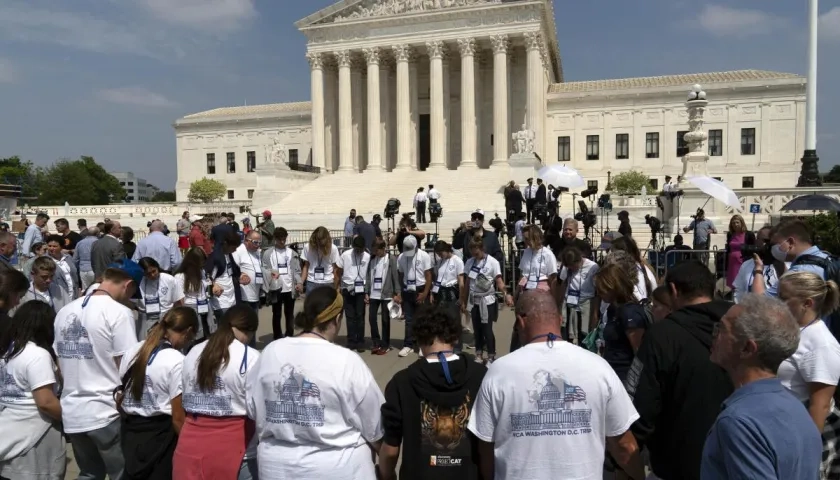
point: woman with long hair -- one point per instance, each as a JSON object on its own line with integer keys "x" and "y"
{"x": 216, "y": 439}
{"x": 193, "y": 281}
{"x": 159, "y": 293}
{"x": 281, "y": 265}
{"x": 13, "y": 286}
{"x": 812, "y": 372}
{"x": 383, "y": 286}
{"x": 319, "y": 257}
{"x": 646, "y": 280}
{"x": 31, "y": 445}
{"x": 316, "y": 404}
{"x": 151, "y": 396}
{"x": 224, "y": 273}
{"x": 538, "y": 265}
{"x": 736, "y": 238}
{"x": 577, "y": 295}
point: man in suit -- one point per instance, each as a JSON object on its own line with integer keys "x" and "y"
{"x": 107, "y": 249}
{"x": 530, "y": 199}
{"x": 542, "y": 202}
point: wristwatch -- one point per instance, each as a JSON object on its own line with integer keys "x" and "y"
{"x": 758, "y": 272}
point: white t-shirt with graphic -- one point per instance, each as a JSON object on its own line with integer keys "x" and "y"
{"x": 582, "y": 281}
{"x": 816, "y": 360}
{"x": 320, "y": 267}
{"x": 537, "y": 266}
{"x": 250, "y": 264}
{"x": 414, "y": 268}
{"x": 316, "y": 405}
{"x": 224, "y": 279}
{"x": 548, "y": 410}
{"x": 227, "y": 399}
{"x": 448, "y": 271}
{"x": 353, "y": 269}
{"x": 163, "y": 382}
{"x": 164, "y": 291}
{"x": 20, "y": 421}
{"x": 281, "y": 262}
{"x": 489, "y": 268}
{"x": 192, "y": 299}
{"x": 90, "y": 333}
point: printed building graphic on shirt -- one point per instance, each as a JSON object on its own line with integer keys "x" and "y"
{"x": 74, "y": 342}
{"x": 558, "y": 404}
{"x": 148, "y": 402}
{"x": 216, "y": 402}
{"x": 297, "y": 401}
{"x": 10, "y": 392}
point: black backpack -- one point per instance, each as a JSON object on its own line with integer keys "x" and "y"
{"x": 831, "y": 269}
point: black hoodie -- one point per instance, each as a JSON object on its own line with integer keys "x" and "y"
{"x": 429, "y": 417}
{"x": 677, "y": 390}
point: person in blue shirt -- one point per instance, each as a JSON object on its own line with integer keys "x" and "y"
{"x": 762, "y": 431}
{"x": 791, "y": 241}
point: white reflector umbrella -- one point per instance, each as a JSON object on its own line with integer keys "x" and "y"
{"x": 717, "y": 190}
{"x": 561, "y": 176}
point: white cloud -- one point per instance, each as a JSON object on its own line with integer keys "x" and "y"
{"x": 724, "y": 21}
{"x": 221, "y": 14}
{"x": 830, "y": 24}
{"x": 8, "y": 73}
{"x": 135, "y": 97}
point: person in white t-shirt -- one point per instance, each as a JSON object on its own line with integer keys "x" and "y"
{"x": 282, "y": 267}
{"x": 251, "y": 280}
{"x": 383, "y": 287}
{"x": 538, "y": 265}
{"x": 580, "y": 303}
{"x": 484, "y": 276}
{"x": 91, "y": 336}
{"x": 159, "y": 293}
{"x": 419, "y": 204}
{"x": 448, "y": 281}
{"x": 193, "y": 281}
{"x": 351, "y": 268}
{"x": 31, "y": 445}
{"x": 550, "y": 409}
{"x": 151, "y": 396}
{"x": 316, "y": 405}
{"x": 646, "y": 279}
{"x": 213, "y": 440}
{"x": 813, "y": 371}
{"x": 415, "y": 268}
{"x": 224, "y": 274}
{"x": 319, "y": 258}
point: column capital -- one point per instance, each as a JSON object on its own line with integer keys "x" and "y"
{"x": 343, "y": 58}
{"x": 403, "y": 53}
{"x": 533, "y": 40}
{"x": 500, "y": 43}
{"x": 466, "y": 46}
{"x": 435, "y": 48}
{"x": 316, "y": 60}
{"x": 372, "y": 55}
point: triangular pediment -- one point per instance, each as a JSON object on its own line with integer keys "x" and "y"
{"x": 349, "y": 10}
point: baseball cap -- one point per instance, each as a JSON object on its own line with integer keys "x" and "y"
{"x": 607, "y": 239}
{"x": 478, "y": 211}
{"x": 195, "y": 218}
{"x": 266, "y": 213}
{"x": 410, "y": 246}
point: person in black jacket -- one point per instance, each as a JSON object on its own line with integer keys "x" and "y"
{"x": 513, "y": 201}
{"x": 676, "y": 388}
{"x": 427, "y": 406}
{"x": 491, "y": 241}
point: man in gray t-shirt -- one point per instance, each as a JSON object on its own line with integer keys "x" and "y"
{"x": 702, "y": 228}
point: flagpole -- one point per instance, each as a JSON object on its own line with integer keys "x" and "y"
{"x": 809, "y": 175}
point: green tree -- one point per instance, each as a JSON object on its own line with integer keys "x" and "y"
{"x": 106, "y": 186}
{"x": 206, "y": 190}
{"x": 630, "y": 183}
{"x": 162, "y": 196}
{"x": 833, "y": 176}
{"x": 826, "y": 231}
{"x": 79, "y": 182}
{"x": 13, "y": 171}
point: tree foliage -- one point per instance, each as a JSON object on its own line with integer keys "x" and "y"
{"x": 826, "y": 230}
{"x": 78, "y": 182}
{"x": 630, "y": 183}
{"x": 206, "y": 190}
{"x": 162, "y": 196}
{"x": 833, "y": 176}
{"x": 13, "y": 171}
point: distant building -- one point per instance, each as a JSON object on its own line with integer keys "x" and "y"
{"x": 137, "y": 190}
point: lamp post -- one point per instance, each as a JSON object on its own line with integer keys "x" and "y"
{"x": 809, "y": 175}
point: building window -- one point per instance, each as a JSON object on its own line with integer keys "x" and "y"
{"x": 654, "y": 185}
{"x": 122, "y": 184}
{"x": 652, "y": 145}
{"x": 251, "y": 160}
{"x": 715, "y": 143}
{"x": 230, "y": 194}
{"x": 592, "y": 184}
{"x": 491, "y": 139}
{"x": 622, "y": 146}
{"x": 293, "y": 156}
{"x": 747, "y": 141}
{"x": 231, "y": 162}
{"x": 682, "y": 145}
{"x": 130, "y": 190}
{"x": 593, "y": 147}
{"x": 211, "y": 163}
{"x": 250, "y": 194}
{"x": 130, "y": 184}
{"x": 564, "y": 149}
{"x": 747, "y": 182}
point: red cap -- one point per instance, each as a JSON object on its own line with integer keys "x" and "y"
{"x": 267, "y": 213}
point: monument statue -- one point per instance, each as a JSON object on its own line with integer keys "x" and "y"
{"x": 276, "y": 152}
{"x": 524, "y": 140}
{"x": 697, "y": 158}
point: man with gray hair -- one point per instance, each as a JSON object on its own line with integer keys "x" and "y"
{"x": 159, "y": 247}
{"x": 763, "y": 431}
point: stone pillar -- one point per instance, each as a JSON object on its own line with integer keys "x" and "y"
{"x": 501, "y": 130}
{"x": 468, "y": 119}
{"x": 385, "y": 120}
{"x": 317, "y": 85}
{"x": 447, "y": 98}
{"x": 330, "y": 114}
{"x": 404, "y": 156}
{"x": 345, "y": 112}
{"x": 414, "y": 95}
{"x": 357, "y": 99}
{"x": 374, "y": 140}
{"x": 436, "y": 121}
{"x": 533, "y": 42}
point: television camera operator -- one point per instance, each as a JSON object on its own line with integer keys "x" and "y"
{"x": 406, "y": 227}
{"x": 475, "y": 227}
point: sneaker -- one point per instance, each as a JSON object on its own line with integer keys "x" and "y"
{"x": 375, "y": 351}
{"x": 382, "y": 351}
{"x": 468, "y": 346}
{"x": 478, "y": 358}
{"x": 490, "y": 360}
{"x": 405, "y": 351}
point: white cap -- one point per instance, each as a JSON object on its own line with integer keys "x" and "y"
{"x": 195, "y": 218}
{"x": 478, "y": 211}
{"x": 410, "y": 246}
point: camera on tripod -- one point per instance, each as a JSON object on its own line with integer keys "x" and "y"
{"x": 586, "y": 217}
{"x": 747, "y": 251}
{"x": 654, "y": 223}
{"x": 589, "y": 192}
{"x": 604, "y": 202}
{"x": 497, "y": 223}
{"x": 435, "y": 211}
{"x": 392, "y": 207}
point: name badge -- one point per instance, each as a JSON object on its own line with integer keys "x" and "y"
{"x": 573, "y": 297}
{"x": 319, "y": 274}
{"x": 411, "y": 285}
{"x": 359, "y": 286}
{"x": 259, "y": 278}
{"x": 377, "y": 283}
{"x": 474, "y": 271}
{"x": 153, "y": 307}
{"x": 435, "y": 287}
{"x": 283, "y": 268}
{"x": 531, "y": 285}
{"x": 202, "y": 306}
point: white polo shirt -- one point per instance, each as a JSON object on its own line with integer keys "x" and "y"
{"x": 414, "y": 268}
{"x": 581, "y": 282}
{"x": 353, "y": 270}
{"x": 448, "y": 271}
{"x": 537, "y": 266}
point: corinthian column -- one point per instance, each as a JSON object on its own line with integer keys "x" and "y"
{"x": 468, "y": 120}
{"x": 436, "y": 121}
{"x": 533, "y": 41}
{"x": 316, "y": 63}
{"x": 500, "y": 99}
{"x": 345, "y": 112}
{"x": 374, "y": 140}
{"x": 402, "y": 54}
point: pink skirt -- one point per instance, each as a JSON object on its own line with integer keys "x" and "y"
{"x": 211, "y": 448}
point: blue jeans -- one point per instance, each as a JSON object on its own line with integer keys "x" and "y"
{"x": 248, "y": 470}
{"x": 98, "y": 452}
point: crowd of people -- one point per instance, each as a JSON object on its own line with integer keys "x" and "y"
{"x": 147, "y": 363}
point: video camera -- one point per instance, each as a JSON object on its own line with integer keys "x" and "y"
{"x": 497, "y": 223}
{"x": 654, "y": 223}
{"x": 392, "y": 207}
{"x": 589, "y": 192}
{"x": 435, "y": 211}
{"x": 604, "y": 202}
{"x": 747, "y": 252}
{"x": 585, "y": 216}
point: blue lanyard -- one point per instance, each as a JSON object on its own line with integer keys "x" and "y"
{"x": 550, "y": 338}
{"x": 442, "y": 270}
{"x": 146, "y": 284}
{"x": 87, "y": 299}
{"x": 539, "y": 266}
{"x": 359, "y": 265}
{"x": 243, "y": 367}
{"x": 444, "y": 363}
{"x": 36, "y": 294}
{"x": 163, "y": 345}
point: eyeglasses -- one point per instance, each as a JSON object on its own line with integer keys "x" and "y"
{"x": 254, "y": 242}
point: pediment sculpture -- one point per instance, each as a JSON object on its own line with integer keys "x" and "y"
{"x": 397, "y": 7}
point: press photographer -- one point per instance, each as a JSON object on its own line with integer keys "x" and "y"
{"x": 475, "y": 227}
{"x": 405, "y": 228}
{"x": 771, "y": 270}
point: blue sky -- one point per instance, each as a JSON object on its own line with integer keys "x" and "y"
{"x": 108, "y": 77}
